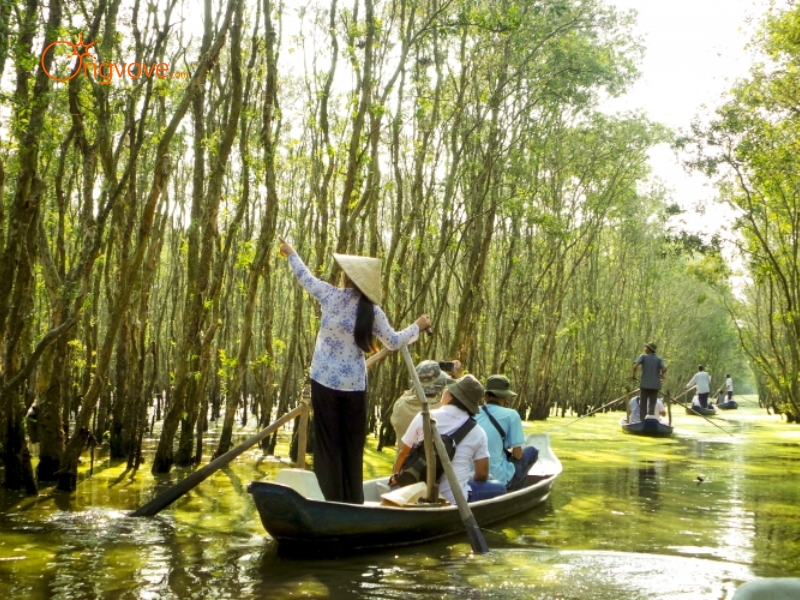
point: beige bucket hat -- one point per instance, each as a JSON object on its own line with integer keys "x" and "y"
{"x": 364, "y": 272}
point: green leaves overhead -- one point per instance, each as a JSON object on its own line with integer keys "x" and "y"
{"x": 753, "y": 147}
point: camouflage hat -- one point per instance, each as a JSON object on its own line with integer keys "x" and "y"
{"x": 431, "y": 377}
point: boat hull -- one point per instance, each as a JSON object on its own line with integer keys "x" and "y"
{"x": 700, "y": 411}
{"x": 294, "y": 520}
{"x": 322, "y": 526}
{"x": 648, "y": 427}
{"x": 729, "y": 405}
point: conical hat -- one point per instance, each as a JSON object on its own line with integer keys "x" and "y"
{"x": 365, "y": 273}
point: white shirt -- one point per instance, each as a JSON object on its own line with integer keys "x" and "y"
{"x": 703, "y": 381}
{"x": 729, "y": 384}
{"x": 633, "y": 407}
{"x": 474, "y": 446}
{"x": 338, "y": 363}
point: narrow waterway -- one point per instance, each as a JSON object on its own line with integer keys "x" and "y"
{"x": 690, "y": 517}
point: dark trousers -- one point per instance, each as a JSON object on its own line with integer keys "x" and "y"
{"x": 521, "y": 468}
{"x": 647, "y": 402}
{"x": 340, "y": 430}
{"x": 703, "y": 399}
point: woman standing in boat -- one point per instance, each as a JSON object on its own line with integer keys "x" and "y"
{"x": 351, "y": 316}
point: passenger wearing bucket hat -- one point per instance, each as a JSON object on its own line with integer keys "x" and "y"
{"x": 407, "y": 406}
{"x": 509, "y": 460}
{"x": 653, "y": 371}
{"x": 460, "y": 401}
{"x": 351, "y": 316}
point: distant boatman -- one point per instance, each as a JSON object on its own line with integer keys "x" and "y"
{"x": 653, "y": 371}
{"x": 703, "y": 382}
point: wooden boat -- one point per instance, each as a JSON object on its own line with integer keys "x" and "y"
{"x": 700, "y": 411}
{"x": 648, "y": 427}
{"x": 727, "y": 405}
{"x": 296, "y": 520}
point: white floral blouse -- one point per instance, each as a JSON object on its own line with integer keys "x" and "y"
{"x": 338, "y": 363}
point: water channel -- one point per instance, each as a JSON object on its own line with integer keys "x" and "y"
{"x": 690, "y": 517}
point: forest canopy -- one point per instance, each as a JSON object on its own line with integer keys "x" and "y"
{"x": 460, "y": 141}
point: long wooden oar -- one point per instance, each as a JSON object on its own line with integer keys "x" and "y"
{"x": 470, "y": 524}
{"x": 163, "y": 500}
{"x": 606, "y": 405}
{"x": 675, "y": 400}
{"x": 427, "y": 434}
{"x": 378, "y": 356}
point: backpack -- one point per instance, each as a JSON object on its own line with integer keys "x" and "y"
{"x": 415, "y": 467}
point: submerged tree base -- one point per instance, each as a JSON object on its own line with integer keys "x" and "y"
{"x": 47, "y": 469}
{"x": 162, "y": 464}
{"x": 17, "y": 462}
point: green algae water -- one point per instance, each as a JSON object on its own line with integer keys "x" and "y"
{"x": 688, "y": 517}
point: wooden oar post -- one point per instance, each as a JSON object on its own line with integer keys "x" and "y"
{"x": 302, "y": 433}
{"x": 470, "y": 524}
{"x": 427, "y": 431}
{"x": 669, "y": 407}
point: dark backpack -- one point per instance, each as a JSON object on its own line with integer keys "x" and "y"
{"x": 415, "y": 467}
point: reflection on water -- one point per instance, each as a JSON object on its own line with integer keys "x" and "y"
{"x": 688, "y": 517}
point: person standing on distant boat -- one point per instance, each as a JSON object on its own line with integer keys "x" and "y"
{"x": 729, "y": 386}
{"x": 703, "y": 382}
{"x": 653, "y": 371}
{"x": 351, "y": 316}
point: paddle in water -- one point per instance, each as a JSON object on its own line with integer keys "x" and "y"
{"x": 470, "y": 524}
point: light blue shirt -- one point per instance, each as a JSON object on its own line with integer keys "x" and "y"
{"x": 338, "y": 363}
{"x": 509, "y": 420}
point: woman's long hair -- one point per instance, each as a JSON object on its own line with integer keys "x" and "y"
{"x": 365, "y": 320}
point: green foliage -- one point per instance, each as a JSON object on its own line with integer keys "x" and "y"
{"x": 752, "y": 147}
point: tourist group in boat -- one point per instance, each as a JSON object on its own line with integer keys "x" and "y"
{"x": 484, "y": 438}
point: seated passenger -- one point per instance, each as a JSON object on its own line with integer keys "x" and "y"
{"x": 633, "y": 410}
{"x": 407, "y": 406}
{"x": 459, "y": 402}
{"x": 509, "y": 461}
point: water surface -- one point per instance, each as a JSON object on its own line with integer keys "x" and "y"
{"x": 691, "y": 517}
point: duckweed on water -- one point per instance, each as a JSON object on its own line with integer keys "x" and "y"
{"x": 691, "y": 516}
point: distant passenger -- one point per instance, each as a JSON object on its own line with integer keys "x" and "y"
{"x": 633, "y": 410}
